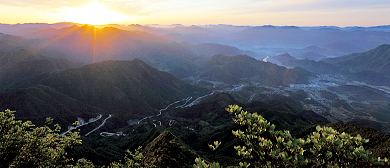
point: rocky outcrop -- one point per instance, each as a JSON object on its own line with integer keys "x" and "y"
{"x": 168, "y": 151}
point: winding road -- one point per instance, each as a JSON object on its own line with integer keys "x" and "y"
{"x": 81, "y": 123}
{"x": 109, "y": 116}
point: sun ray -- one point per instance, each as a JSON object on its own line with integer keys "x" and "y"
{"x": 94, "y": 44}
{"x": 135, "y": 48}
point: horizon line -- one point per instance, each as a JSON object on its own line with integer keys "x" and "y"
{"x": 201, "y": 25}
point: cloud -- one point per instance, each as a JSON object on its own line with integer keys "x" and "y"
{"x": 227, "y": 11}
{"x": 302, "y": 9}
{"x": 130, "y": 7}
{"x": 136, "y": 7}
{"x": 147, "y": 6}
{"x": 44, "y": 4}
{"x": 274, "y": 6}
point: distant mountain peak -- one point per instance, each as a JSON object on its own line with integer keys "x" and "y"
{"x": 285, "y": 54}
{"x": 290, "y": 27}
{"x": 87, "y": 26}
{"x": 312, "y": 47}
{"x": 284, "y": 57}
{"x": 265, "y": 26}
{"x": 384, "y": 46}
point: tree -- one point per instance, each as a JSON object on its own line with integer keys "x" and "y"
{"x": 132, "y": 160}
{"x": 24, "y": 145}
{"x": 266, "y": 147}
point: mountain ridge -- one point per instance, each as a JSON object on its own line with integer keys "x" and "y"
{"x": 377, "y": 60}
{"x": 236, "y": 69}
{"x": 24, "y": 64}
{"x": 126, "y": 89}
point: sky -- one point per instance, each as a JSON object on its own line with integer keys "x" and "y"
{"x": 340, "y": 13}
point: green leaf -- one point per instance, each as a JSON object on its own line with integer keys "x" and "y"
{"x": 318, "y": 128}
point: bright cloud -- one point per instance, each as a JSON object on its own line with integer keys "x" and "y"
{"x": 247, "y": 12}
{"x": 94, "y": 13}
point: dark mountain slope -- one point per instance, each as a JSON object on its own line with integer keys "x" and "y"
{"x": 311, "y": 56}
{"x": 10, "y": 43}
{"x": 24, "y": 64}
{"x": 371, "y": 67}
{"x": 315, "y": 66}
{"x": 121, "y": 85}
{"x": 376, "y": 60}
{"x": 211, "y": 110}
{"x": 37, "y": 102}
{"x": 208, "y": 49}
{"x": 309, "y": 65}
{"x": 126, "y": 89}
{"x": 236, "y": 69}
{"x": 283, "y": 58}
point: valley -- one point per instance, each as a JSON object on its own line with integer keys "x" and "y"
{"x": 133, "y": 85}
{"x": 184, "y": 103}
{"x": 321, "y": 96}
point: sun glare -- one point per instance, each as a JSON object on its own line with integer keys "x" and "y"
{"x": 95, "y": 14}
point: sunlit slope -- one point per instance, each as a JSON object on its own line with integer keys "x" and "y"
{"x": 91, "y": 44}
{"x": 88, "y": 43}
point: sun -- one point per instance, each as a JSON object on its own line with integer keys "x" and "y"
{"x": 94, "y": 13}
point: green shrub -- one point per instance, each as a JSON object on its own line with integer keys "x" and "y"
{"x": 265, "y": 147}
{"x": 23, "y": 145}
{"x": 132, "y": 160}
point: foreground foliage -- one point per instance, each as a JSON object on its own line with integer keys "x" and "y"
{"x": 132, "y": 160}
{"x": 24, "y": 145}
{"x": 266, "y": 147}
